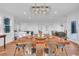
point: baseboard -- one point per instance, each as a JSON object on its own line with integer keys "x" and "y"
{"x": 7, "y": 42}
{"x": 74, "y": 43}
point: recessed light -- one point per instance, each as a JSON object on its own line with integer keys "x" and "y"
{"x": 55, "y": 12}
{"x": 24, "y": 13}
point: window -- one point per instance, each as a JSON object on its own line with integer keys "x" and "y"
{"x": 73, "y": 27}
{"x": 6, "y": 25}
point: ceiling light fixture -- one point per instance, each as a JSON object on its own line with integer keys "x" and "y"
{"x": 40, "y": 9}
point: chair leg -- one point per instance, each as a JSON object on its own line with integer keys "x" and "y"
{"x": 23, "y": 51}
{"x": 56, "y": 51}
{"x": 65, "y": 51}
{"x": 61, "y": 51}
{"x": 15, "y": 51}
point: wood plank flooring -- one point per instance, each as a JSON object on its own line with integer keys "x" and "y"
{"x": 72, "y": 50}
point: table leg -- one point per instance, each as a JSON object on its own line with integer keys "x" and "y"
{"x": 5, "y": 42}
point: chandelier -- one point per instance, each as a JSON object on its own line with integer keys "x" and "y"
{"x": 40, "y": 9}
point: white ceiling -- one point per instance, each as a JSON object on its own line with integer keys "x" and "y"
{"x": 17, "y": 11}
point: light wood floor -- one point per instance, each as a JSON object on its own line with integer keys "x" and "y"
{"x": 72, "y": 50}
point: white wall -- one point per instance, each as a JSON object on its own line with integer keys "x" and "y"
{"x": 9, "y": 36}
{"x": 71, "y": 17}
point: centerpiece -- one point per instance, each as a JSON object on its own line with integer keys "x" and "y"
{"x": 40, "y": 36}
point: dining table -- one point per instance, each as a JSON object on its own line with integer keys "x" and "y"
{"x": 41, "y": 44}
